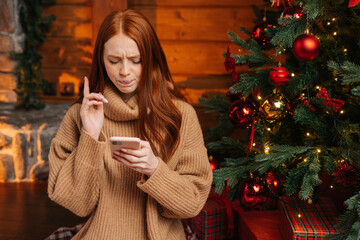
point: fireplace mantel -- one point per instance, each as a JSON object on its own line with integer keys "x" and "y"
{"x": 25, "y": 137}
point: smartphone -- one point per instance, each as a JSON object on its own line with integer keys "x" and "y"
{"x": 116, "y": 143}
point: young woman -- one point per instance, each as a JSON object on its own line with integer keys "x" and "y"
{"x": 132, "y": 194}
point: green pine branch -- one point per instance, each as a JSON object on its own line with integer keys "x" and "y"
{"x": 227, "y": 145}
{"x": 278, "y": 155}
{"x": 29, "y": 60}
{"x": 311, "y": 180}
{"x": 283, "y": 36}
{"x": 312, "y": 9}
{"x": 248, "y": 82}
{"x": 348, "y": 71}
{"x": 348, "y": 225}
{"x": 219, "y": 105}
{"x": 231, "y": 174}
{"x": 257, "y": 56}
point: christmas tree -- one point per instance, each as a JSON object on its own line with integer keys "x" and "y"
{"x": 298, "y": 103}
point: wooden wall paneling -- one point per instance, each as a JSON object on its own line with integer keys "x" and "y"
{"x": 60, "y": 53}
{"x": 67, "y": 51}
{"x": 71, "y": 21}
{"x": 74, "y": 2}
{"x": 200, "y": 82}
{"x": 202, "y": 86}
{"x": 101, "y": 9}
{"x": 215, "y": 3}
{"x": 149, "y": 12}
{"x": 196, "y": 58}
{"x": 206, "y": 24}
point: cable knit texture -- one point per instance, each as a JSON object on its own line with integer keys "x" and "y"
{"x": 122, "y": 203}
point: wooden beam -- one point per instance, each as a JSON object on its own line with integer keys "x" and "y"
{"x": 101, "y": 9}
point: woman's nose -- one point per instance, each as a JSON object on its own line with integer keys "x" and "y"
{"x": 124, "y": 68}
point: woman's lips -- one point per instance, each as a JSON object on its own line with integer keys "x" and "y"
{"x": 125, "y": 82}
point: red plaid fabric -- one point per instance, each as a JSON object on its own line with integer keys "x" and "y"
{"x": 189, "y": 233}
{"x": 65, "y": 233}
{"x": 211, "y": 223}
{"x": 315, "y": 222}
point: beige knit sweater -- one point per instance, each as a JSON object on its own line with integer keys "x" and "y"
{"x": 122, "y": 203}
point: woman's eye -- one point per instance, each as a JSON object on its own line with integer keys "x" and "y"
{"x": 137, "y": 62}
{"x": 113, "y": 62}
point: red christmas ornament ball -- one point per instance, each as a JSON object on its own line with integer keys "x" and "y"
{"x": 279, "y": 75}
{"x": 258, "y": 33}
{"x": 306, "y": 47}
{"x": 213, "y": 164}
{"x": 253, "y": 192}
{"x": 242, "y": 113}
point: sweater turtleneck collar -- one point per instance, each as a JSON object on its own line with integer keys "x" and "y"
{"x": 118, "y": 110}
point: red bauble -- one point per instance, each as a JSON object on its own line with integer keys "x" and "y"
{"x": 213, "y": 164}
{"x": 353, "y": 3}
{"x": 253, "y": 192}
{"x": 306, "y": 47}
{"x": 258, "y": 34}
{"x": 279, "y": 75}
{"x": 242, "y": 113}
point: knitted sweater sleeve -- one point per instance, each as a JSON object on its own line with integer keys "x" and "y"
{"x": 75, "y": 160}
{"x": 182, "y": 190}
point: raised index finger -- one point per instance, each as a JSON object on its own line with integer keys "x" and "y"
{"x": 86, "y": 87}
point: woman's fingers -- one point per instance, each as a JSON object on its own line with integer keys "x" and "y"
{"x": 97, "y": 97}
{"x": 143, "y": 160}
{"x": 86, "y": 86}
{"x": 92, "y": 96}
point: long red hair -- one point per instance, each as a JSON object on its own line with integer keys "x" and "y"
{"x": 159, "y": 118}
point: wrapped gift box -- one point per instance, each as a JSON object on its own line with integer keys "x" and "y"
{"x": 212, "y": 222}
{"x": 300, "y": 220}
{"x": 260, "y": 225}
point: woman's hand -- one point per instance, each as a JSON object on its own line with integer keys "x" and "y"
{"x": 143, "y": 160}
{"x": 92, "y": 111}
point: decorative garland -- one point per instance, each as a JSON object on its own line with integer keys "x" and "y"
{"x": 35, "y": 27}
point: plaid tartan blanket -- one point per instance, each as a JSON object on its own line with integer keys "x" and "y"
{"x": 65, "y": 233}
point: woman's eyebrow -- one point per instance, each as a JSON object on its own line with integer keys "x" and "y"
{"x": 116, "y": 56}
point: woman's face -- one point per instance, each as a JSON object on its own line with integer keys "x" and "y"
{"x": 122, "y": 62}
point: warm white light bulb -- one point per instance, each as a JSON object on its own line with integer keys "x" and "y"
{"x": 278, "y": 104}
